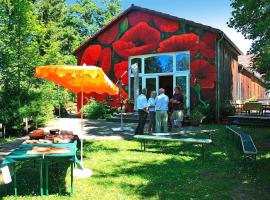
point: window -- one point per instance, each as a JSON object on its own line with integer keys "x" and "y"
{"x": 139, "y": 62}
{"x": 182, "y": 61}
{"x": 158, "y": 64}
{"x": 132, "y": 86}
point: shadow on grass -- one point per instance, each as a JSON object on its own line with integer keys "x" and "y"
{"x": 28, "y": 178}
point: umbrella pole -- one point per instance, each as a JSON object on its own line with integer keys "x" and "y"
{"x": 82, "y": 126}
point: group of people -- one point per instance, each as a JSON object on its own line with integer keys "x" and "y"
{"x": 157, "y": 107}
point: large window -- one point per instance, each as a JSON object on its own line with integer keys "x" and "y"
{"x": 165, "y": 70}
{"x": 158, "y": 64}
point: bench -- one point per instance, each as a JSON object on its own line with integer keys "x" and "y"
{"x": 247, "y": 143}
{"x": 144, "y": 138}
{"x": 185, "y": 132}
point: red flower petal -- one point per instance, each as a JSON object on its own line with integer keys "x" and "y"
{"x": 91, "y": 55}
{"x": 204, "y": 72}
{"x": 147, "y": 37}
{"x": 183, "y": 42}
{"x": 105, "y": 60}
{"x": 206, "y": 51}
{"x": 166, "y": 25}
{"x": 120, "y": 69}
{"x": 108, "y": 36}
{"x": 210, "y": 40}
{"x": 136, "y": 17}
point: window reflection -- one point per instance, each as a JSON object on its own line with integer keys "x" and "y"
{"x": 158, "y": 64}
{"x": 182, "y": 61}
{"x": 132, "y": 86}
{"x": 139, "y": 62}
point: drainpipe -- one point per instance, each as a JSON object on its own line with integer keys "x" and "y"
{"x": 218, "y": 78}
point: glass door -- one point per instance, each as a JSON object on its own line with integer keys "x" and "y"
{"x": 182, "y": 81}
{"x": 150, "y": 83}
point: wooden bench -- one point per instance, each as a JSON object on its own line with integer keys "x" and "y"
{"x": 247, "y": 143}
{"x": 144, "y": 138}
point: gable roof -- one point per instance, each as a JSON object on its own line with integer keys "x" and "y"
{"x": 153, "y": 12}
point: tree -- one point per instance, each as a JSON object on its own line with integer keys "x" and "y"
{"x": 252, "y": 19}
{"x": 36, "y": 33}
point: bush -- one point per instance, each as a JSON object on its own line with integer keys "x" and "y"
{"x": 196, "y": 114}
{"x": 97, "y": 110}
{"x": 227, "y": 109}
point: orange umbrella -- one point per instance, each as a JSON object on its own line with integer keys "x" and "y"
{"x": 84, "y": 79}
{"x": 77, "y": 79}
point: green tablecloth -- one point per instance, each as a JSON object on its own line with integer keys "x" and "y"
{"x": 21, "y": 153}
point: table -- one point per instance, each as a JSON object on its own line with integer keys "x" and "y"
{"x": 257, "y": 106}
{"x": 20, "y": 154}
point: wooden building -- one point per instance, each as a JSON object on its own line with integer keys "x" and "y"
{"x": 170, "y": 51}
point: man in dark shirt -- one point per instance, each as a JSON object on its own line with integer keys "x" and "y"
{"x": 177, "y": 102}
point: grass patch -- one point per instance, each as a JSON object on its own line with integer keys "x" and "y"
{"x": 122, "y": 171}
{"x": 8, "y": 139}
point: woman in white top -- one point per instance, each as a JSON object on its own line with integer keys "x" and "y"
{"x": 152, "y": 112}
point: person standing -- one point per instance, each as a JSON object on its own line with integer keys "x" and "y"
{"x": 177, "y": 101}
{"x": 152, "y": 112}
{"x": 142, "y": 106}
{"x": 162, "y": 102}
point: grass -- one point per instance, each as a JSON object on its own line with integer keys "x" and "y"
{"x": 122, "y": 171}
{"x": 7, "y": 139}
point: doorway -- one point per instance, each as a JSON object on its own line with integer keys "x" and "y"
{"x": 166, "y": 82}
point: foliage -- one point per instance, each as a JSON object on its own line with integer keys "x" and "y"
{"x": 227, "y": 109}
{"x": 251, "y": 18}
{"x": 208, "y": 110}
{"x": 196, "y": 114}
{"x": 122, "y": 171}
{"x": 36, "y": 33}
{"x": 129, "y": 101}
{"x": 96, "y": 110}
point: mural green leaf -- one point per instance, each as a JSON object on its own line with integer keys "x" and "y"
{"x": 123, "y": 26}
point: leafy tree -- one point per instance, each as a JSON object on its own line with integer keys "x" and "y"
{"x": 252, "y": 19}
{"x": 36, "y": 33}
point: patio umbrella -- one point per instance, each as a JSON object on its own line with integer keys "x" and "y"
{"x": 78, "y": 79}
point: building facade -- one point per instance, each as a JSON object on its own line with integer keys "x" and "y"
{"x": 169, "y": 51}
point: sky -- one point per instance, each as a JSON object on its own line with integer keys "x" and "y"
{"x": 214, "y": 13}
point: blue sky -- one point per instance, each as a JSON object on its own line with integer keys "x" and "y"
{"x": 213, "y": 13}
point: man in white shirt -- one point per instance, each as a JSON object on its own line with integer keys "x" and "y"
{"x": 162, "y": 102}
{"x": 142, "y": 106}
{"x": 152, "y": 112}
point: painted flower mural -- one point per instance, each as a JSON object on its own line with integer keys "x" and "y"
{"x": 204, "y": 72}
{"x": 119, "y": 69}
{"x": 182, "y": 42}
{"x": 166, "y": 25}
{"x": 91, "y": 55}
{"x": 139, "y": 33}
{"x": 140, "y": 39}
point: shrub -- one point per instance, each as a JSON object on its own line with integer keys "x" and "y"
{"x": 97, "y": 110}
{"x": 196, "y": 114}
{"x": 227, "y": 109}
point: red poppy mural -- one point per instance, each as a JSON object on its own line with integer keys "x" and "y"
{"x": 140, "y": 33}
{"x": 182, "y": 42}
{"x": 137, "y": 17}
{"x": 207, "y": 45}
{"x": 108, "y": 36}
{"x": 119, "y": 69}
{"x": 140, "y": 39}
{"x": 166, "y": 25}
{"x": 105, "y": 60}
{"x": 204, "y": 72}
{"x": 91, "y": 55}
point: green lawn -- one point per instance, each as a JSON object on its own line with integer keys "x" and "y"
{"x": 122, "y": 171}
{"x": 7, "y": 139}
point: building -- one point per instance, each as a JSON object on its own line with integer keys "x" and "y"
{"x": 170, "y": 51}
{"x": 250, "y": 83}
